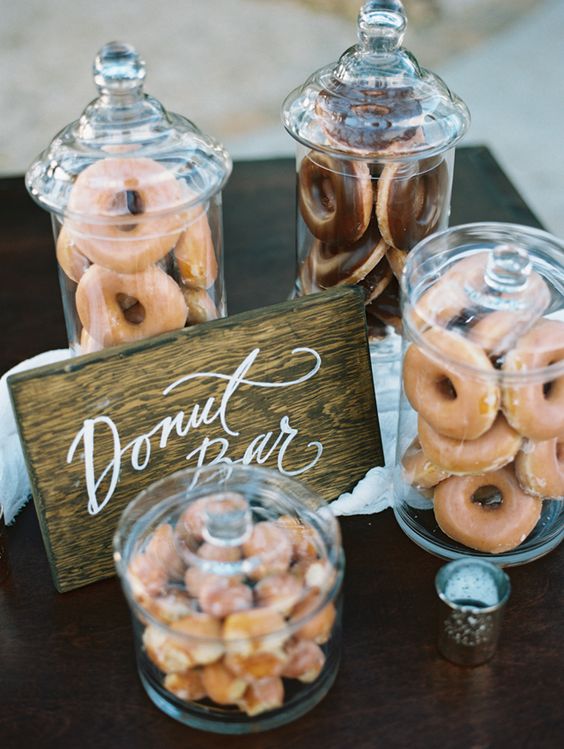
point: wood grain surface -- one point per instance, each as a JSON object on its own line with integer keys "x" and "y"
{"x": 111, "y": 413}
{"x": 67, "y": 670}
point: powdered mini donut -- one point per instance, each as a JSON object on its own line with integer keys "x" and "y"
{"x": 335, "y": 197}
{"x": 536, "y": 409}
{"x": 127, "y": 212}
{"x": 454, "y": 403}
{"x": 72, "y": 261}
{"x": 539, "y": 468}
{"x": 418, "y": 470}
{"x": 103, "y": 303}
{"x": 464, "y": 510}
{"x": 195, "y": 254}
{"x": 494, "y": 449}
{"x": 338, "y": 263}
{"x": 411, "y": 204}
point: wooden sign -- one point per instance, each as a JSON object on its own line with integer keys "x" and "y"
{"x": 288, "y": 387}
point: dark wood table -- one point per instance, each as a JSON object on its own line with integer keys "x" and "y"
{"x": 67, "y": 669}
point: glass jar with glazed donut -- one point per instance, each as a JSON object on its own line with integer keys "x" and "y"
{"x": 480, "y": 450}
{"x": 135, "y": 197}
{"x": 376, "y": 135}
{"x": 233, "y": 575}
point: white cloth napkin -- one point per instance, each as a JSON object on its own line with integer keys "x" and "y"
{"x": 14, "y": 482}
{"x": 375, "y": 491}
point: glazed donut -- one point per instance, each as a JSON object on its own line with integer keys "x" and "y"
{"x": 418, "y": 470}
{"x": 536, "y": 409}
{"x": 371, "y": 121}
{"x": 411, "y": 205}
{"x": 335, "y": 197}
{"x": 488, "y": 527}
{"x": 159, "y": 305}
{"x": 494, "y": 449}
{"x": 335, "y": 264}
{"x": 397, "y": 260}
{"x": 72, "y": 261}
{"x": 126, "y": 192}
{"x": 195, "y": 254}
{"x": 200, "y": 306}
{"x": 539, "y": 468}
{"x": 455, "y": 404}
{"x": 87, "y": 344}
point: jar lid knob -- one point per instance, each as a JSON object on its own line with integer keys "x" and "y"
{"x": 381, "y": 25}
{"x": 227, "y": 520}
{"x": 508, "y": 268}
{"x": 118, "y": 69}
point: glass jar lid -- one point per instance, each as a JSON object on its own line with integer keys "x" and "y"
{"x": 488, "y": 297}
{"x": 376, "y": 102}
{"x": 125, "y": 145}
{"x": 229, "y": 536}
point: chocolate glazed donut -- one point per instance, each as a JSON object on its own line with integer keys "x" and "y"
{"x": 336, "y": 263}
{"x": 335, "y": 197}
{"x": 410, "y": 204}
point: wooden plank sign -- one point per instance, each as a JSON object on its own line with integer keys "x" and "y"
{"x": 288, "y": 386}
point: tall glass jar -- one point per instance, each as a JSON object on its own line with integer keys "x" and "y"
{"x": 376, "y": 135}
{"x": 480, "y": 450}
{"x": 135, "y": 198}
{"x": 233, "y": 575}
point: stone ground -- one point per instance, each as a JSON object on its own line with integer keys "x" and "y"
{"x": 228, "y": 64}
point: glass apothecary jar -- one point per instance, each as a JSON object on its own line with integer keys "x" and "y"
{"x": 376, "y": 135}
{"x": 135, "y": 198}
{"x": 480, "y": 451}
{"x": 233, "y": 576}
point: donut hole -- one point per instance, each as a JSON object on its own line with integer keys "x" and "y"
{"x": 446, "y": 389}
{"x": 132, "y": 309}
{"x": 489, "y": 497}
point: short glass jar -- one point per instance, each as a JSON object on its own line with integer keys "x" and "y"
{"x": 480, "y": 450}
{"x": 375, "y": 155}
{"x": 135, "y": 198}
{"x": 233, "y": 576}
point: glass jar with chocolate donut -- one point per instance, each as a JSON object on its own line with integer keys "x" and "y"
{"x": 480, "y": 449}
{"x": 376, "y": 135}
{"x": 135, "y": 197}
{"x": 233, "y": 575}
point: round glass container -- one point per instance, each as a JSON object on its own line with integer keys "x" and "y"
{"x": 376, "y": 135}
{"x": 480, "y": 450}
{"x": 233, "y": 576}
{"x": 135, "y": 198}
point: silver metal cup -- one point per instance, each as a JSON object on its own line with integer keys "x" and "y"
{"x": 472, "y": 594}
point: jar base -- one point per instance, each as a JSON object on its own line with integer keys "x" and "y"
{"x": 230, "y": 720}
{"x": 420, "y": 526}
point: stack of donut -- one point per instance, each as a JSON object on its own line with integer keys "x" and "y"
{"x": 362, "y": 223}
{"x": 489, "y": 448}
{"x": 137, "y": 263}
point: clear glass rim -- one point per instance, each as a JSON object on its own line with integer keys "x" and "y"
{"x": 501, "y": 579}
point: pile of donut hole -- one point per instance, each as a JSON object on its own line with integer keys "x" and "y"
{"x": 488, "y": 449}
{"x": 234, "y": 639}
